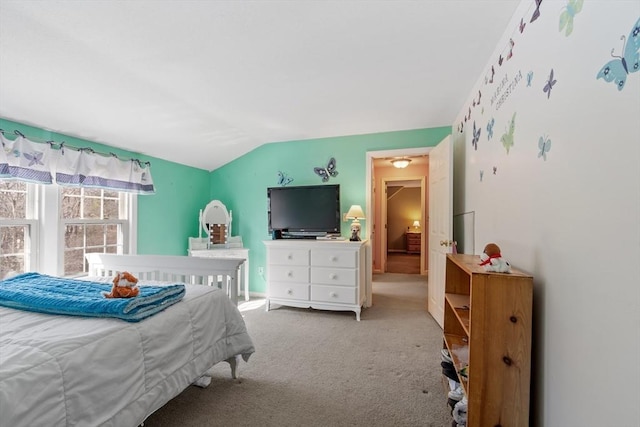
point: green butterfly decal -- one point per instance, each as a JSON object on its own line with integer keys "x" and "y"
{"x": 507, "y": 137}
{"x": 567, "y": 15}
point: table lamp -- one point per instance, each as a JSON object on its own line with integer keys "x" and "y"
{"x": 355, "y": 213}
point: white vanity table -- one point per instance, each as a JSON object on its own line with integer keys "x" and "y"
{"x": 214, "y": 218}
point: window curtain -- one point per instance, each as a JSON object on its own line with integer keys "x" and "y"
{"x": 44, "y": 163}
{"x": 25, "y": 160}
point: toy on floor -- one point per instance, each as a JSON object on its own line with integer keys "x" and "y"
{"x": 125, "y": 285}
{"x": 492, "y": 259}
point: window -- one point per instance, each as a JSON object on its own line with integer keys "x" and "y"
{"x": 94, "y": 220}
{"x": 18, "y": 228}
{"x": 49, "y": 229}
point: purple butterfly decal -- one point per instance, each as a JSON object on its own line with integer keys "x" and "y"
{"x": 536, "y": 13}
{"x": 495, "y": 169}
{"x": 478, "y": 101}
{"x": 510, "y": 54}
{"x": 34, "y": 158}
{"x": 500, "y": 59}
{"x": 549, "y": 84}
{"x": 522, "y": 25}
{"x": 476, "y": 136}
{"x": 493, "y": 72}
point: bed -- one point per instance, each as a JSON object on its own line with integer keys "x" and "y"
{"x": 58, "y": 370}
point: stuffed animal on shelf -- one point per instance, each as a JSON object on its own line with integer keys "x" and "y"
{"x": 492, "y": 259}
{"x": 125, "y": 285}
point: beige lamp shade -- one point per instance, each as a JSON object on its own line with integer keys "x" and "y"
{"x": 355, "y": 212}
{"x": 416, "y": 224}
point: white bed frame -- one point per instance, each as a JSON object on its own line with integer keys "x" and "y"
{"x": 220, "y": 272}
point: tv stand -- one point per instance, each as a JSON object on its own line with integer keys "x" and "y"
{"x": 320, "y": 274}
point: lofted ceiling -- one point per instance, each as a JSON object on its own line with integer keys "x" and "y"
{"x": 204, "y": 82}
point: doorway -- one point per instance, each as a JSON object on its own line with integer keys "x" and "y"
{"x": 402, "y": 204}
{"x": 376, "y": 233}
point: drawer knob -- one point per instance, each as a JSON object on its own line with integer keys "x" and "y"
{"x": 333, "y": 294}
{"x": 333, "y": 276}
{"x": 333, "y": 258}
{"x": 289, "y": 273}
{"x": 289, "y": 291}
{"x": 290, "y": 256}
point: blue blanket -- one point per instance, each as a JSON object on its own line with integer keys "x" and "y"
{"x": 58, "y": 295}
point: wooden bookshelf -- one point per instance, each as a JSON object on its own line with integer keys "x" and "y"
{"x": 487, "y": 327}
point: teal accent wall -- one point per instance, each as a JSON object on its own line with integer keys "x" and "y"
{"x": 165, "y": 219}
{"x": 242, "y": 184}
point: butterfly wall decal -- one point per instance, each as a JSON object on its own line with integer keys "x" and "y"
{"x": 495, "y": 170}
{"x": 522, "y": 25}
{"x": 536, "y": 13}
{"x": 507, "y": 137}
{"x": 549, "y": 85}
{"x": 490, "y": 124}
{"x": 511, "y": 44}
{"x": 284, "y": 179}
{"x": 529, "y": 78}
{"x": 567, "y": 15}
{"x": 618, "y": 68}
{"x": 493, "y": 73}
{"x": 544, "y": 144}
{"x": 500, "y": 59}
{"x": 481, "y": 175}
{"x": 476, "y": 136}
{"x": 325, "y": 172}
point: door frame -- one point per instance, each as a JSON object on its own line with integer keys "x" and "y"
{"x": 370, "y": 156}
{"x": 423, "y": 215}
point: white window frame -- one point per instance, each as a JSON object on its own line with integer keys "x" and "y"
{"x": 31, "y": 259}
{"x": 46, "y": 228}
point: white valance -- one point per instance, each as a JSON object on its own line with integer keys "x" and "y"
{"x": 43, "y": 163}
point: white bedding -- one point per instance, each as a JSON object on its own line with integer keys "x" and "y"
{"x": 75, "y": 371}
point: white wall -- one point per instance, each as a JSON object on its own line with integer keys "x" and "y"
{"x": 572, "y": 220}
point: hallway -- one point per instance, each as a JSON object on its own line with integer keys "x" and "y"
{"x": 399, "y": 262}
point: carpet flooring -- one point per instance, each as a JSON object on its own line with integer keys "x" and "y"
{"x": 323, "y": 368}
{"x": 398, "y": 262}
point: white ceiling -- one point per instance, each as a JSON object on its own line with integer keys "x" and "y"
{"x": 204, "y": 82}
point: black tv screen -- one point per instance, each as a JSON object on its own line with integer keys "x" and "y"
{"x": 304, "y": 209}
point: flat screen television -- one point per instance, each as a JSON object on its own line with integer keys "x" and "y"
{"x": 311, "y": 210}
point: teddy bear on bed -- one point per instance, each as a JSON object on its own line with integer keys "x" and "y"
{"x": 125, "y": 285}
{"x": 492, "y": 259}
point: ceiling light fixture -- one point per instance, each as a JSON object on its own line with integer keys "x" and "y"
{"x": 400, "y": 163}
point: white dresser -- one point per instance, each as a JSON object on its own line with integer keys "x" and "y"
{"x": 320, "y": 274}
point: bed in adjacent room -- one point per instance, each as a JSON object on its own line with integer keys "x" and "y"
{"x": 60, "y": 370}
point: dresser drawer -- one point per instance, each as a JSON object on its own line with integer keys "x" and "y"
{"x": 333, "y": 276}
{"x": 289, "y": 273}
{"x": 289, "y": 256}
{"x": 332, "y": 258}
{"x": 339, "y": 294}
{"x": 295, "y": 291}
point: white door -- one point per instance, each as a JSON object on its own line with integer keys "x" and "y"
{"x": 440, "y": 223}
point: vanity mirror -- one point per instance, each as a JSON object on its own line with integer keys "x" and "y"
{"x": 215, "y": 221}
